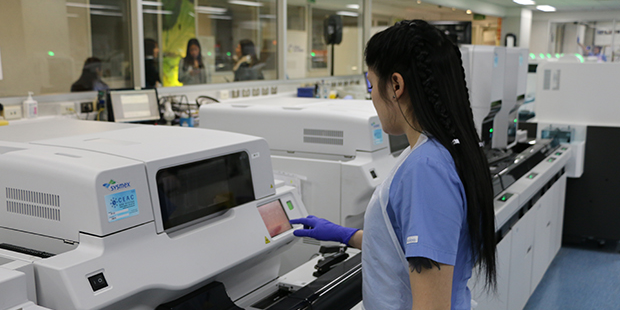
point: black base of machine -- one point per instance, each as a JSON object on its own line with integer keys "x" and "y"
{"x": 591, "y": 243}
{"x": 592, "y": 208}
{"x": 339, "y": 288}
{"x": 212, "y": 296}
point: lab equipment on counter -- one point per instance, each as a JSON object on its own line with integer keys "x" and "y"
{"x": 133, "y": 105}
{"x": 521, "y": 83}
{"x": 486, "y": 66}
{"x": 125, "y": 216}
{"x": 337, "y": 146}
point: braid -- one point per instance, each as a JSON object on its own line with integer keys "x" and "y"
{"x": 429, "y": 85}
{"x": 460, "y": 58}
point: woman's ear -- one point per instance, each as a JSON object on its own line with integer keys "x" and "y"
{"x": 398, "y": 85}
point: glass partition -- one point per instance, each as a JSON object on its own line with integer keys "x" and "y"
{"x": 324, "y": 38}
{"x": 55, "y": 47}
{"x": 210, "y": 41}
{"x": 60, "y": 46}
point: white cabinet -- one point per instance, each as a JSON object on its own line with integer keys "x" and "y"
{"x": 490, "y": 301}
{"x": 533, "y": 229}
{"x": 521, "y": 256}
{"x": 542, "y": 237}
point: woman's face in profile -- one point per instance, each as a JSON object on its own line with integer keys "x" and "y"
{"x": 194, "y": 50}
{"x": 155, "y": 51}
{"x": 238, "y": 50}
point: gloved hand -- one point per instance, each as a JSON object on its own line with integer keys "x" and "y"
{"x": 322, "y": 229}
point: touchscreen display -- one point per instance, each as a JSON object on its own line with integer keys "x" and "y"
{"x": 274, "y": 217}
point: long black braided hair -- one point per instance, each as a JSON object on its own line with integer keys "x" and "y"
{"x": 434, "y": 78}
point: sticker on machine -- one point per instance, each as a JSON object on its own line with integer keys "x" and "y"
{"x": 121, "y": 205}
{"x": 377, "y": 135}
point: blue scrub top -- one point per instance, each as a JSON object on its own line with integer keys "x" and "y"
{"x": 428, "y": 210}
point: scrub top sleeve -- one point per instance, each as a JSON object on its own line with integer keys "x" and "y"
{"x": 428, "y": 202}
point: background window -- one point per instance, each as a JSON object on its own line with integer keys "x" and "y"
{"x": 237, "y": 39}
{"x": 308, "y": 54}
{"x": 48, "y": 42}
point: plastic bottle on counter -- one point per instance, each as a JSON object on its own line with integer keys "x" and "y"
{"x": 324, "y": 90}
{"x": 30, "y": 106}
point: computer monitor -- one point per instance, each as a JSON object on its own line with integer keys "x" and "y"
{"x": 133, "y": 105}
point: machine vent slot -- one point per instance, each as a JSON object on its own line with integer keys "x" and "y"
{"x": 321, "y": 136}
{"x": 324, "y": 133}
{"x": 32, "y": 203}
{"x": 33, "y": 210}
{"x": 323, "y": 140}
{"x": 33, "y": 197}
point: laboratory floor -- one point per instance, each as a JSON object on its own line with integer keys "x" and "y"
{"x": 579, "y": 278}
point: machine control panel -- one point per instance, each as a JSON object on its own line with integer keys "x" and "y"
{"x": 532, "y": 175}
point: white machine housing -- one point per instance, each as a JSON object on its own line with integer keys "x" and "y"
{"x": 505, "y": 123}
{"x": 513, "y": 114}
{"x": 486, "y": 65}
{"x": 336, "y": 147}
{"x": 17, "y": 287}
{"x": 60, "y": 186}
{"x": 559, "y": 101}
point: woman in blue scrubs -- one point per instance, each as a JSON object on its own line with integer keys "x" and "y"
{"x": 431, "y": 221}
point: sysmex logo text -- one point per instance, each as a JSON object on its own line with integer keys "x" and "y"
{"x": 113, "y": 186}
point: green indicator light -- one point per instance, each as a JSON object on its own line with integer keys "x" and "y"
{"x": 290, "y": 205}
{"x": 515, "y": 120}
{"x": 542, "y": 56}
{"x": 579, "y": 57}
{"x": 532, "y": 56}
{"x": 50, "y": 53}
{"x": 503, "y": 198}
{"x": 208, "y": 53}
{"x": 491, "y": 130}
{"x": 548, "y": 55}
{"x": 313, "y": 54}
{"x": 531, "y": 176}
{"x": 562, "y": 55}
{"x": 228, "y": 54}
{"x": 557, "y": 55}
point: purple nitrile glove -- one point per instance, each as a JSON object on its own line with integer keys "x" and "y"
{"x": 322, "y": 229}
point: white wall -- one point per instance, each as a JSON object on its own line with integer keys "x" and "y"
{"x": 511, "y": 24}
{"x": 571, "y": 32}
{"x": 539, "y": 37}
{"x": 518, "y": 22}
{"x": 525, "y": 28}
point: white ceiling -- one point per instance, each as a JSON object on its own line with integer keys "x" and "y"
{"x": 566, "y": 5}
